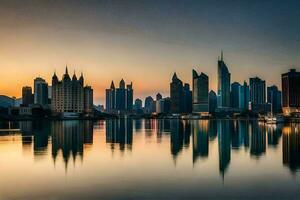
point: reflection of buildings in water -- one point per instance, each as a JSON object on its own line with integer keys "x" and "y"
{"x": 176, "y": 137}
{"x": 186, "y": 133}
{"x": 240, "y": 134}
{"x": 36, "y": 132}
{"x": 244, "y": 132}
{"x": 274, "y": 134}
{"x": 27, "y": 136}
{"x": 69, "y": 137}
{"x": 180, "y": 135}
{"x": 200, "y": 139}
{"x": 41, "y": 131}
{"x": 291, "y": 147}
{"x": 235, "y": 137}
{"x": 224, "y": 140}
{"x": 88, "y": 132}
{"x": 120, "y": 132}
{"x": 258, "y": 139}
{"x": 212, "y": 130}
{"x": 162, "y": 127}
{"x": 149, "y": 126}
{"x": 138, "y": 125}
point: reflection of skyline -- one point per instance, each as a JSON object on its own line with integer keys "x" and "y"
{"x": 72, "y": 137}
{"x": 119, "y": 132}
{"x": 224, "y": 138}
{"x": 291, "y": 147}
{"x": 69, "y": 138}
{"x": 258, "y": 139}
{"x": 200, "y": 139}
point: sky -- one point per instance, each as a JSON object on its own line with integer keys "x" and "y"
{"x": 145, "y": 41}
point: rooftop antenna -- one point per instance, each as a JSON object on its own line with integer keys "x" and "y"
{"x": 221, "y": 55}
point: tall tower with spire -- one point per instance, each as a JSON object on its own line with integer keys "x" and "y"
{"x": 223, "y": 84}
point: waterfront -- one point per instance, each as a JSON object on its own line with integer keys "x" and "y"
{"x": 149, "y": 159}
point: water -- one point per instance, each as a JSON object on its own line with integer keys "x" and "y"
{"x": 149, "y": 159}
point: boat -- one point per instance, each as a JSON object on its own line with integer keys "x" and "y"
{"x": 274, "y": 119}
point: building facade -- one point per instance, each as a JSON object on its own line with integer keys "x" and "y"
{"x": 27, "y": 96}
{"x": 40, "y": 91}
{"x": 244, "y": 97}
{"x": 213, "y": 102}
{"x": 235, "y": 95}
{"x": 176, "y": 97}
{"x": 223, "y": 84}
{"x": 200, "y": 93}
{"x": 119, "y": 100}
{"x": 70, "y": 95}
{"x": 290, "y": 92}
{"x": 274, "y": 98}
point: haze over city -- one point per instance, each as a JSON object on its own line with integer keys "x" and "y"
{"x": 145, "y": 41}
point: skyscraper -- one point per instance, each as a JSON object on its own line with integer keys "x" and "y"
{"x": 27, "y": 96}
{"x": 258, "y": 96}
{"x": 40, "y": 91}
{"x": 235, "y": 95}
{"x": 88, "y": 99}
{"x": 257, "y": 91}
{"x": 70, "y": 95}
{"x": 200, "y": 93}
{"x": 274, "y": 98}
{"x": 149, "y": 105}
{"x": 110, "y": 98}
{"x": 213, "y": 104}
{"x": 176, "y": 95}
{"x": 223, "y": 84}
{"x": 290, "y": 92}
{"x": 129, "y": 97}
{"x": 119, "y": 99}
{"x": 187, "y": 105}
{"x": 121, "y": 96}
{"x": 158, "y": 96}
{"x": 138, "y": 105}
{"x": 244, "y": 97}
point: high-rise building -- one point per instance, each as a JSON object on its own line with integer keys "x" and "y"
{"x": 223, "y": 84}
{"x": 121, "y": 96}
{"x": 213, "y": 102}
{"x": 200, "y": 93}
{"x": 119, "y": 99}
{"x": 149, "y": 105}
{"x": 69, "y": 95}
{"x": 235, "y": 95}
{"x": 111, "y": 98}
{"x": 163, "y": 105}
{"x": 176, "y": 95}
{"x": 258, "y": 96}
{"x": 138, "y": 105}
{"x": 187, "y": 105}
{"x": 27, "y": 96}
{"x": 88, "y": 99}
{"x": 274, "y": 98}
{"x": 257, "y": 91}
{"x": 40, "y": 91}
{"x": 158, "y": 96}
{"x": 244, "y": 97}
{"x": 290, "y": 92}
{"x": 129, "y": 97}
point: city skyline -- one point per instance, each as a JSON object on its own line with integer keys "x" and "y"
{"x": 41, "y": 37}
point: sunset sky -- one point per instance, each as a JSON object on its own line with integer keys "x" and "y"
{"x": 145, "y": 41}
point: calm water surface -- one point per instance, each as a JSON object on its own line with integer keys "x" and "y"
{"x": 149, "y": 159}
